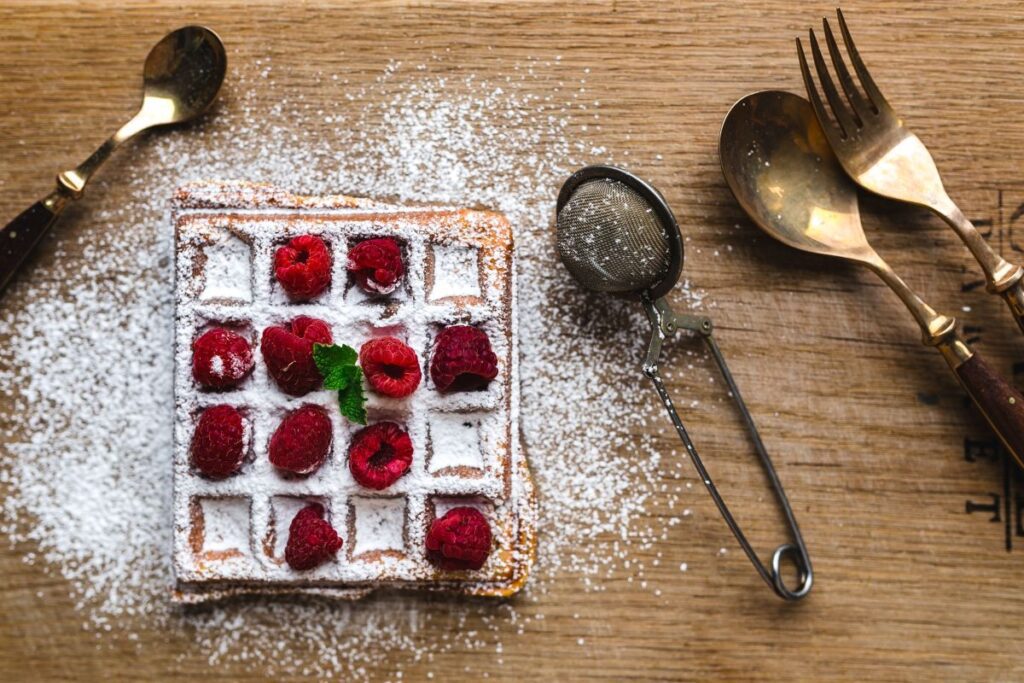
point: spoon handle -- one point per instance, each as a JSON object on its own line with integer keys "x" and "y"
{"x": 998, "y": 400}
{"x": 19, "y": 238}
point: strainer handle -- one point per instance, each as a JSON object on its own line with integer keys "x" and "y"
{"x": 665, "y": 322}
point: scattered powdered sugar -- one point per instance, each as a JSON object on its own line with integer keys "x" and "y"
{"x": 88, "y": 419}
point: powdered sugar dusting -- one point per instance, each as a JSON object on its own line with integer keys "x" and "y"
{"x": 380, "y": 525}
{"x": 455, "y": 441}
{"x": 226, "y": 271}
{"x": 458, "y": 269}
{"x": 89, "y": 469}
{"x": 225, "y": 526}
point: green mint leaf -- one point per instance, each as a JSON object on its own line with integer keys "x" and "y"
{"x": 330, "y": 356}
{"x": 337, "y": 365}
{"x": 335, "y": 379}
{"x": 351, "y": 399}
{"x": 340, "y": 377}
{"x": 353, "y": 376}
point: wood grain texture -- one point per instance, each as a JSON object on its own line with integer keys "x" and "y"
{"x": 867, "y": 427}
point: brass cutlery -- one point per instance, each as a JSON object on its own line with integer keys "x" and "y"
{"x": 778, "y": 163}
{"x": 882, "y": 155}
{"x": 181, "y": 78}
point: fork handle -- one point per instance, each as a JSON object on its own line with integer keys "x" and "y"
{"x": 1014, "y": 298}
{"x": 998, "y": 400}
{"x": 1002, "y": 277}
{"x": 21, "y": 236}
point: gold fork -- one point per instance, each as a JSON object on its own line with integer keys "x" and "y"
{"x": 883, "y": 156}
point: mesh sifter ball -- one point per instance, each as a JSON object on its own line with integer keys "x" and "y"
{"x": 616, "y": 234}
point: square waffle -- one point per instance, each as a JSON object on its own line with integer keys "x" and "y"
{"x": 230, "y": 534}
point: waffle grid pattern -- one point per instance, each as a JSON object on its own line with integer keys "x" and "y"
{"x": 234, "y": 530}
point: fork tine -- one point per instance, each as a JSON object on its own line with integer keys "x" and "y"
{"x": 873, "y": 93}
{"x": 853, "y": 95}
{"x": 812, "y": 94}
{"x": 839, "y": 111}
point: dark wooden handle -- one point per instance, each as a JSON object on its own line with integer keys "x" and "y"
{"x": 20, "y": 237}
{"x": 1002, "y": 405}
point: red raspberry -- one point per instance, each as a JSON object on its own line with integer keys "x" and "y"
{"x": 459, "y": 540}
{"x": 376, "y": 265}
{"x": 311, "y": 539}
{"x": 218, "y": 444}
{"x": 288, "y": 352}
{"x": 303, "y": 267}
{"x": 301, "y": 442}
{"x": 463, "y": 359}
{"x": 221, "y": 359}
{"x": 379, "y": 455}
{"x": 390, "y": 366}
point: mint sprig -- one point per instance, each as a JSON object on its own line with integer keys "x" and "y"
{"x": 337, "y": 365}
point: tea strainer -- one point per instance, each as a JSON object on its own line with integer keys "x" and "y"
{"x": 616, "y": 234}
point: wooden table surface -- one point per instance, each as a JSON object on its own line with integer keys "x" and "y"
{"x": 914, "y": 524}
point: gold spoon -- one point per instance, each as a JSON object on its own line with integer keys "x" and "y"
{"x": 181, "y": 79}
{"x": 783, "y": 172}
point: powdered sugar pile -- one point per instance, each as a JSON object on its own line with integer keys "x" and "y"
{"x": 88, "y": 430}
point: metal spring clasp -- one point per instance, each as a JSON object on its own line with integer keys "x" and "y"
{"x": 665, "y": 323}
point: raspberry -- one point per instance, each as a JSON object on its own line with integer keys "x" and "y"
{"x": 301, "y": 442}
{"x": 459, "y": 540}
{"x": 379, "y": 455}
{"x": 390, "y": 366}
{"x": 303, "y": 267}
{"x": 463, "y": 359}
{"x": 376, "y": 265}
{"x": 311, "y": 539}
{"x": 218, "y": 444}
{"x": 288, "y": 352}
{"x": 221, "y": 359}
